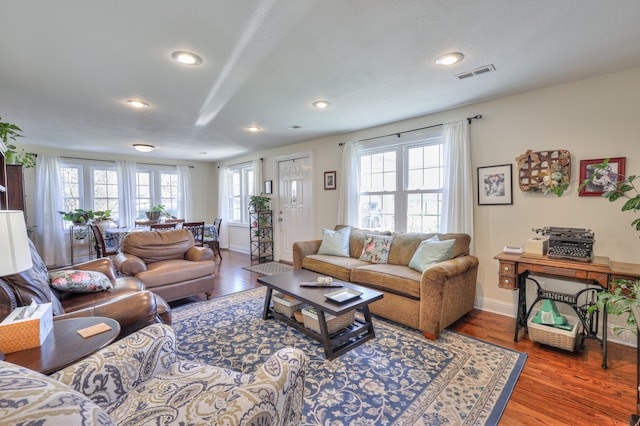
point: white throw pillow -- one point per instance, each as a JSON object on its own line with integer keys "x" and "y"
{"x": 335, "y": 243}
{"x": 431, "y": 251}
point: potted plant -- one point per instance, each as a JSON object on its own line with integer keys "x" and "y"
{"x": 11, "y": 132}
{"x": 155, "y": 212}
{"x": 259, "y": 203}
{"x": 78, "y": 216}
{"x": 102, "y": 219}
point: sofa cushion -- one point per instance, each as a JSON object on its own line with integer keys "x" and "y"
{"x": 335, "y": 243}
{"x": 154, "y": 246}
{"x": 337, "y": 267}
{"x": 376, "y": 248}
{"x": 32, "y": 398}
{"x": 174, "y": 271}
{"x": 395, "y": 279}
{"x": 79, "y": 281}
{"x": 431, "y": 251}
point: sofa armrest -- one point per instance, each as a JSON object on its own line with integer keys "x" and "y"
{"x": 133, "y": 311}
{"x": 447, "y": 292}
{"x": 199, "y": 254}
{"x": 281, "y": 378}
{"x": 301, "y": 249}
{"x": 112, "y": 372}
{"x": 129, "y": 264}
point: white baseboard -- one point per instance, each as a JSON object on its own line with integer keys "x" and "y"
{"x": 499, "y": 307}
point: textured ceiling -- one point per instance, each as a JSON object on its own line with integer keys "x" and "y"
{"x": 66, "y": 67}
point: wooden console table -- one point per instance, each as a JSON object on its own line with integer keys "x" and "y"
{"x": 514, "y": 270}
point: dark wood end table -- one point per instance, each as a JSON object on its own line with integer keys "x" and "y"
{"x": 334, "y": 344}
{"x": 64, "y": 345}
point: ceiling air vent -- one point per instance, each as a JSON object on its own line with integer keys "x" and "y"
{"x": 478, "y": 71}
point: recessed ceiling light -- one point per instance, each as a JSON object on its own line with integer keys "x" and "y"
{"x": 137, "y": 103}
{"x": 321, "y": 104}
{"x": 254, "y": 128}
{"x": 143, "y": 147}
{"x": 186, "y": 58}
{"x": 450, "y": 58}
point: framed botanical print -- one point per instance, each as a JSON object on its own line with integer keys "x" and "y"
{"x": 601, "y": 180}
{"x": 495, "y": 185}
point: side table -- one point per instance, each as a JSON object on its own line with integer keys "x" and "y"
{"x": 64, "y": 345}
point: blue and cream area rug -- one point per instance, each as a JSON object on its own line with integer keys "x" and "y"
{"x": 398, "y": 378}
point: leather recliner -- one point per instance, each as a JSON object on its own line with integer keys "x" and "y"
{"x": 128, "y": 302}
{"x": 168, "y": 263}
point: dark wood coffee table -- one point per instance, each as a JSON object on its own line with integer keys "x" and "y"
{"x": 64, "y": 345}
{"x": 334, "y": 344}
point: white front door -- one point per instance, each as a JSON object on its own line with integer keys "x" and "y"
{"x": 294, "y": 215}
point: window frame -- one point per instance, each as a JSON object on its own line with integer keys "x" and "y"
{"x": 401, "y": 192}
{"x": 246, "y": 191}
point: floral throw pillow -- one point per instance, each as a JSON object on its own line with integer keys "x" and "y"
{"x": 79, "y": 281}
{"x": 376, "y": 248}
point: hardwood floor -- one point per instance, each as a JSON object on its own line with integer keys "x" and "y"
{"x": 555, "y": 387}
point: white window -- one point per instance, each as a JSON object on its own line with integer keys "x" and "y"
{"x": 401, "y": 185}
{"x": 105, "y": 191}
{"x": 240, "y": 188}
{"x": 156, "y": 186}
{"x": 93, "y": 185}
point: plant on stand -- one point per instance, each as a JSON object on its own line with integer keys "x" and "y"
{"x": 259, "y": 203}
{"x": 78, "y": 216}
{"x": 102, "y": 219}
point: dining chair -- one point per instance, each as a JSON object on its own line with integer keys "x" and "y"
{"x": 163, "y": 226}
{"x": 176, "y": 221}
{"x": 197, "y": 229}
{"x": 101, "y": 246}
{"x": 215, "y": 243}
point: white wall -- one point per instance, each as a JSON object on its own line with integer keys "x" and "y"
{"x": 594, "y": 118}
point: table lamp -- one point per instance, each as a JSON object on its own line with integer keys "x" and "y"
{"x": 15, "y": 254}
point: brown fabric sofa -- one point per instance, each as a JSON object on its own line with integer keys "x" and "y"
{"x": 128, "y": 302}
{"x": 168, "y": 263}
{"x": 430, "y": 301}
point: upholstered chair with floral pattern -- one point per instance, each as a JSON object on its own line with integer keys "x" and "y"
{"x": 139, "y": 380}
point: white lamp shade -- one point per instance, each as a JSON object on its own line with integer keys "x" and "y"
{"x": 15, "y": 255}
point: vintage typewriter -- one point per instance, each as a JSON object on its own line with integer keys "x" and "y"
{"x": 569, "y": 243}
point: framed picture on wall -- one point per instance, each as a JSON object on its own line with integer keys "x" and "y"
{"x": 495, "y": 185}
{"x": 268, "y": 187}
{"x": 330, "y": 180}
{"x": 602, "y": 180}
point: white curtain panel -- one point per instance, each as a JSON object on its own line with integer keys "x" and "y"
{"x": 51, "y": 235}
{"x": 349, "y": 185}
{"x": 223, "y": 206}
{"x": 185, "y": 194}
{"x": 457, "y": 203}
{"x": 257, "y": 177}
{"x": 127, "y": 182}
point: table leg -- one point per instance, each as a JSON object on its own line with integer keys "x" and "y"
{"x": 267, "y": 302}
{"x": 521, "y": 320}
{"x": 604, "y": 337}
{"x": 324, "y": 333}
{"x": 367, "y": 319}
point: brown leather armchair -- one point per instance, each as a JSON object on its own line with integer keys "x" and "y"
{"x": 168, "y": 263}
{"x": 128, "y": 302}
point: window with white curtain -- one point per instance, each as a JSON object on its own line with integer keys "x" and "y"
{"x": 93, "y": 185}
{"x": 401, "y": 184}
{"x": 240, "y": 180}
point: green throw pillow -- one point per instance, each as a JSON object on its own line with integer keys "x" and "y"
{"x": 431, "y": 251}
{"x": 335, "y": 243}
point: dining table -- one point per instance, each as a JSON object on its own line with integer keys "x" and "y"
{"x": 115, "y": 236}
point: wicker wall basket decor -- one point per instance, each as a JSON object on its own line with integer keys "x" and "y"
{"x": 543, "y": 170}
